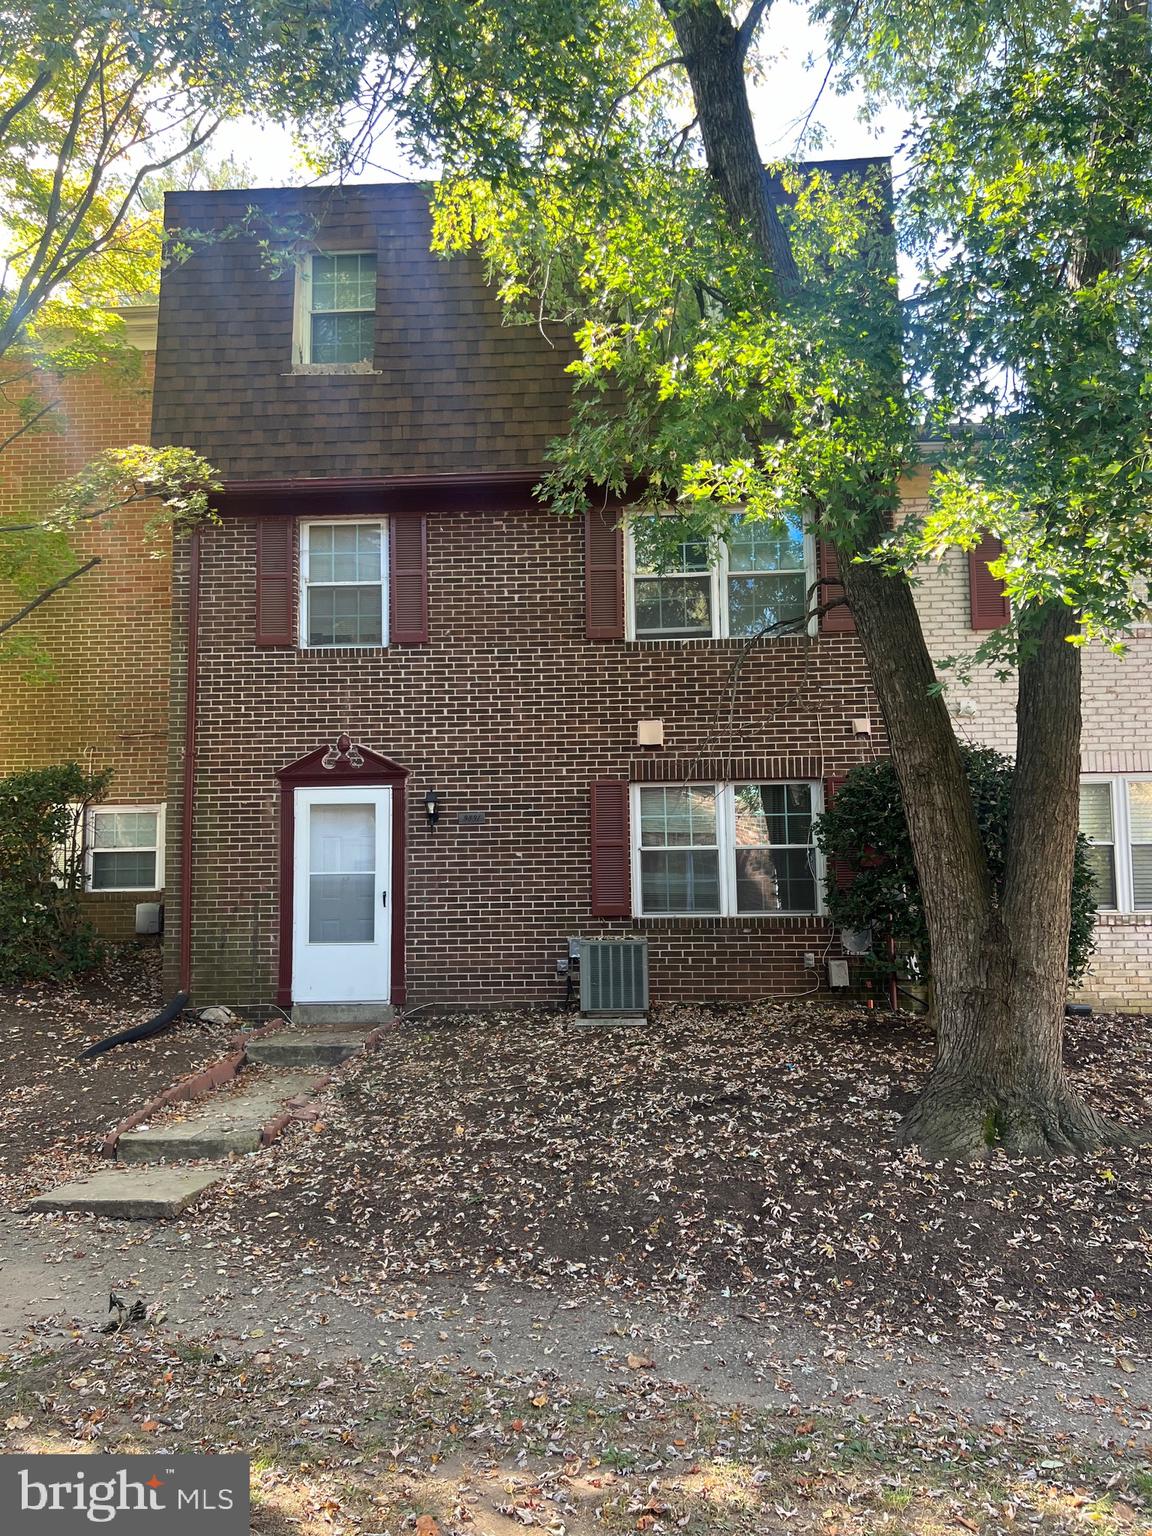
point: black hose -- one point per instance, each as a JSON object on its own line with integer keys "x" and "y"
{"x": 168, "y": 1014}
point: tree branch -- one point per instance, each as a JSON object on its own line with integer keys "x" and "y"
{"x": 653, "y": 69}
{"x": 746, "y": 32}
{"x": 26, "y": 426}
{"x": 52, "y": 211}
{"x": 47, "y": 593}
{"x": 128, "y": 500}
{"x": 13, "y": 110}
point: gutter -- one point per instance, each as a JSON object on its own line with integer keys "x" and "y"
{"x": 188, "y": 804}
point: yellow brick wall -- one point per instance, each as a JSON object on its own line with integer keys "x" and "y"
{"x": 1117, "y": 711}
{"x": 107, "y": 634}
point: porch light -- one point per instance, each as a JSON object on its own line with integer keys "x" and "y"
{"x": 432, "y": 809}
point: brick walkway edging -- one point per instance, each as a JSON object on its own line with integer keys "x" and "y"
{"x": 279, "y": 1123}
{"x": 197, "y": 1085}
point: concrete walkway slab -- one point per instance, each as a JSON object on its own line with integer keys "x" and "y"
{"x": 138, "y": 1194}
{"x": 218, "y": 1127}
{"x": 307, "y": 1047}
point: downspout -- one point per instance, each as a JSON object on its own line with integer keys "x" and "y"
{"x": 188, "y": 805}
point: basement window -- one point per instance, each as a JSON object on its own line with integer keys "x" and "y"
{"x": 343, "y": 586}
{"x": 336, "y": 310}
{"x": 1116, "y": 818}
{"x": 726, "y": 850}
{"x": 124, "y": 848}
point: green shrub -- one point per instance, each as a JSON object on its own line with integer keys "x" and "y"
{"x": 865, "y": 831}
{"x": 43, "y": 935}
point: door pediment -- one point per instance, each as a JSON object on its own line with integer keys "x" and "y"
{"x": 344, "y": 762}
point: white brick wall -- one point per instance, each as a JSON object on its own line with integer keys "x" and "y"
{"x": 1117, "y": 738}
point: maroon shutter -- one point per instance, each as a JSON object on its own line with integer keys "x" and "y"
{"x": 275, "y": 586}
{"x": 611, "y": 865}
{"x": 603, "y": 575}
{"x": 839, "y": 869}
{"x": 986, "y": 600}
{"x": 408, "y": 577}
{"x": 839, "y": 620}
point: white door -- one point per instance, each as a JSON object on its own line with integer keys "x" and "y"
{"x": 342, "y": 925}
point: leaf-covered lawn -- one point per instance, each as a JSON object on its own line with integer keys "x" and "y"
{"x": 743, "y": 1151}
{"x": 464, "y": 1301}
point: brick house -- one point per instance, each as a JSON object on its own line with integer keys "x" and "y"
{"x": 386, "y": 623}
{"x": 385, "y": 616}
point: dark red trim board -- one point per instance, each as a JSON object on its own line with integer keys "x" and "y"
{"x": 350, "y": 765}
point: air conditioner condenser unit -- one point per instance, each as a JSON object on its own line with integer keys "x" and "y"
{"x": 614, "y": 977}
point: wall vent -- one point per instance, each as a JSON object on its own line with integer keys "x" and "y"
{"x": 613, "y": 976}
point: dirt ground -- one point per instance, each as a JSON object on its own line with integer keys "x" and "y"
{"x": 53, "y": 1105}
{"x": 523, "y": 1276}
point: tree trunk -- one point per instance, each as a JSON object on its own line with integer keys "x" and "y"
{"x": 999, "y": 961}
{"x": 1005, "y": 1078}
{"x": 999, "y": 967}
{"x": 714, "y": 60}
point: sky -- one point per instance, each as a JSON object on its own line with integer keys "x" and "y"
{"x": 796, "y": 61}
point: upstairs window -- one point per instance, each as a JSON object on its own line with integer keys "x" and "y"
{"x": 343, "y": 583}
{"x": 757, "y": 584}
{"x": 725, "y": 849}
{"x": 337, "y": 312}
{"x": 124, "y": 848}
{"x": 1116, "y": 817}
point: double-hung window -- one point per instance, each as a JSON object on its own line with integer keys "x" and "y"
{"x": 1116, "y": 817}
{"x": 725, "y": 849}
{"x": 756, "y": 585}
{"x": 336, "y": 320}
{"x": 343, "y": 583}
{"x": 124, "y": 848}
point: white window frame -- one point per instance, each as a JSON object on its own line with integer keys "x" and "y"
{"x": 726, "y": 846}
{"x": 385, "y": 568}
{"x": 302, "y": 317}
{"x": 719, "y": 573}
{"x": 90, "y": 849}
{"x": 1121, "y": 838}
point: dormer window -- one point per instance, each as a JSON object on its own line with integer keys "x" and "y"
{"x": 336, "y": 318}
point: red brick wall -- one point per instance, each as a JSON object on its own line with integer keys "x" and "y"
{"x": 511, "y": 711}
{"x": 107, "y": 635}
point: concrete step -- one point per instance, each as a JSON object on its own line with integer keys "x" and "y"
{"x": 131, "y": 1194}
{"x": 342, "y": 1015}
{"x": 225, "y": 1123}
{"x": 307, "y": 1047}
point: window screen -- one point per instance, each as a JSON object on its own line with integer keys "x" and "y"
{"x": 344, "y": 584}
{"x": 343, "y": 308}
{"x": 123, "y": 850}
